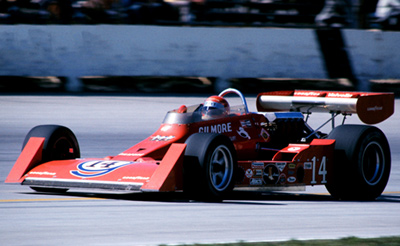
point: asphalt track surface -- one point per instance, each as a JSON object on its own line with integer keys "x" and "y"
{"x": 106, "y": 125}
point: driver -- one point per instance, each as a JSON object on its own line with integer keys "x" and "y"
{"x": 215, "y": 107}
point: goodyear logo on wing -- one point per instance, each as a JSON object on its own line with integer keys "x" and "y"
{"x": 90, "y": 169}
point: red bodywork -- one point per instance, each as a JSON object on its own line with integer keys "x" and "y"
{"x": 156, "y": 163}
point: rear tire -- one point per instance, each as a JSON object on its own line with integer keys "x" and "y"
{"x": 362, "y": 163}
{"x": 60, "y": 144}
{"x": 209, "y": 166}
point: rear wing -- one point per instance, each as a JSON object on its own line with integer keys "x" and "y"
{"x": 371, "y": 108}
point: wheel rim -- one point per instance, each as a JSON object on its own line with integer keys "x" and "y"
{"x": 221, "y": 168}
{"x": 62, "y": 149}
{"x": 373, "y": 163}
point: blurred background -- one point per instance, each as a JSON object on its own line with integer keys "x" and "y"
{"x": 76, "y": 46}
{"x": 284, "y": 13}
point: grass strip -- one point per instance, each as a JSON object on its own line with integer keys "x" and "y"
{"x": 348, "y": 241}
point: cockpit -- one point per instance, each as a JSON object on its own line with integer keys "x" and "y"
{"x": 197, "y": 113}
{"x": 214, "y": 107}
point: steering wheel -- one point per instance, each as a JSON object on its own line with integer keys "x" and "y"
{"x": 234, "y": 91}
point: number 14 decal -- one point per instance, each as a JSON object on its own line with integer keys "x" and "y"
{"x": 322, "y": 169}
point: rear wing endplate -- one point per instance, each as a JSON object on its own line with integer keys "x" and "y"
{"x": 371, "y": 108}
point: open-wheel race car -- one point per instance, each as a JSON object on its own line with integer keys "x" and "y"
{"x": 209, "y": 149}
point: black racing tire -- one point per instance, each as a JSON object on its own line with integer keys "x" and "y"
{"x": 362, "y": 162}
{"x": 209, "y": 166}
{"x": 60, "y": 144}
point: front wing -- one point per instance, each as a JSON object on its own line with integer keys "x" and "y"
{"x": 142, "y": 175}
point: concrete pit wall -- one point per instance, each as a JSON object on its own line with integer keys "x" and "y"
{"x": 74, "y": 51}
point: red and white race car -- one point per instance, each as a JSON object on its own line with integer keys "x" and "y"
{"x": 212, "y": 148}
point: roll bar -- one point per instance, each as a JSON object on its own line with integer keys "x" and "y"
{"x": 237, "y": 92}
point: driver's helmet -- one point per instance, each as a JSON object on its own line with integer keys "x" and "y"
{"x": 215, "y": 107}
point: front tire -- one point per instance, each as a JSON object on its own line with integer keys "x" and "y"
{"x": 362, "y": 163}
{"x": 60, "y": 144}
{"x": 210, "y": 166}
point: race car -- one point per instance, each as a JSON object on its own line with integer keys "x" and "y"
{"x": 209, "y": 149}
